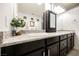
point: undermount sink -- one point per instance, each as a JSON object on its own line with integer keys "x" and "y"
{"x": 36, "y": 34}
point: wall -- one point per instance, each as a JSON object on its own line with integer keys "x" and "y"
{"x": 70, "y": 21}
{"x": 38, "y": 24}
{"x": 7, "y": 12}
{"x": 59, "y": 22}
{"x": 32, "y": 8}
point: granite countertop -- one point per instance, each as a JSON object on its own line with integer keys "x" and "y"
{"x": 31, "y": 37}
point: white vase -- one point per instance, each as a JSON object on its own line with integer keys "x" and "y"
{"x": 18, "y": 29}
{"x": 13, "y": 29}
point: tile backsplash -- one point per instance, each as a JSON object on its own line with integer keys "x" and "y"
{"x": 1, "y": 37}
{"x": 6, "y": 34}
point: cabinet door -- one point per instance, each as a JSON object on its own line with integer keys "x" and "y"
{"x": 63, "y": 44}
{"x": 69, "y": 44}
{"x": 63, "y": 52}
{"x": 7, "y": 51}
{"x": 21, "y": 49}
{"x": 72, "y": 42}
{"x": 40, "y": 52}
{"x": 53, "y": 50}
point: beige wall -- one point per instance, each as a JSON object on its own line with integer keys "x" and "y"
{"x": 7, "y": 12}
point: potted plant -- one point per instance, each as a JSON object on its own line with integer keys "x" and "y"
{"x": 15, "y": 24}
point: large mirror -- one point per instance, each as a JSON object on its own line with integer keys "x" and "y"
{"x": 32, "y": 14}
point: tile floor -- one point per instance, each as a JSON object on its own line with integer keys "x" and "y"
{"x": 73, "y": 53}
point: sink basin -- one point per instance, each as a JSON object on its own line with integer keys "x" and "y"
{"x": 36, "y": 34}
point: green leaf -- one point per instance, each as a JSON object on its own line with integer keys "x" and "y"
{"x": 17, "y": 22}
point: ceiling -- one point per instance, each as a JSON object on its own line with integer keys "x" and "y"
{"x": 67, "y": 6}
{"x": 38, "y": 10}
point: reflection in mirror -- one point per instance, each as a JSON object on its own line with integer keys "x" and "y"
{"x": 52, "y": 20}
{"x": 34, "y": 10}
{"x": 24, "y": 17}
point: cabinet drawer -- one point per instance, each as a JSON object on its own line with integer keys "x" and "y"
{"x": 69, "y": 35}
{"x": 63, "y": 44}
{"x": 63, "y": 37}
{"x": 52, "y": 40}
{"x": 24, "y": 48}
{"x": 63, "y": 53}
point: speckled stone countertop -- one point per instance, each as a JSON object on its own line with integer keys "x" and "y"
{"x": 31, "y": 37}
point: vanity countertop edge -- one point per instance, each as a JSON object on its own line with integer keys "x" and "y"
{"x": 31, "y": 37}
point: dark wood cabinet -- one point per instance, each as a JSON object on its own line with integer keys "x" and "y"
{"x": 23, "y": 49}
{"x": 70, "y": 42}
{"x": 53, "y": 50}
{"x": 53, "y": 46}
{"x": 63, "y": 44}
{"x": 52, "y": 40}
{"x": 40, "y": 52}
{"x": 62, "y": 37}
{"x": 7, "y": 51}
{"x": 63, "y": 52}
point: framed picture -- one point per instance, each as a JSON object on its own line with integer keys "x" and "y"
{"x": 32, "y": 19}
{"x": 24, "y": 17}
{"x": 37, "y": 19}
{"x": 32, "y": 23}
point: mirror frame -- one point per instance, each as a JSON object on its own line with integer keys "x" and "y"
{"x": 46, "y": 21}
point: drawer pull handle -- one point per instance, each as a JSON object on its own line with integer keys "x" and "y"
{"x": 48, "y": 52}
{"x": 43, "y": 53}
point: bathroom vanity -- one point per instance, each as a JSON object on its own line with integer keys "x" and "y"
{"x": 39, "y": 44}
